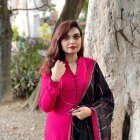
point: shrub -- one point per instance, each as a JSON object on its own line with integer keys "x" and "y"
{"x": 24, "y": 71}
{"x": 45, "y": 32}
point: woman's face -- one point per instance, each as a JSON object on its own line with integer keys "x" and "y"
{"x": 71, "y": 42}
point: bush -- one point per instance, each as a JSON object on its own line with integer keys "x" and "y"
{"x": 45, "y": 32}
{"x": 25, "y": 71}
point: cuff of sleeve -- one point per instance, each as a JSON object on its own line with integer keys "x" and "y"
{"x": 53, "y": 83}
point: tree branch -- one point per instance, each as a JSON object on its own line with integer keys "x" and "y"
{"x": 36, "y": 5}
{"x": 36, "y": 8}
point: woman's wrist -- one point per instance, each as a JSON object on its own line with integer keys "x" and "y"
{"x": 89, "y": 111}
{"x": 54, "y": 79}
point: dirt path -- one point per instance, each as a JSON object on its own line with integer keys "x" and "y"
{"x": 20, "y": 124}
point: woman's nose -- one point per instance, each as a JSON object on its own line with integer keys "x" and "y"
{"x": 71, "y": 40}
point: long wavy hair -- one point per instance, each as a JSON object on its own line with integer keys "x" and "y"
{"x": 55, "y": 51}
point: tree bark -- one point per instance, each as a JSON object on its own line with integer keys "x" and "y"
{"x": 113, "y": 39}
{"x": 5, "y": 52}
{"x": 71, "y": 11}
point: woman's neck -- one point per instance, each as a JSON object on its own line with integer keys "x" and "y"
{"x": 71, "y": 58}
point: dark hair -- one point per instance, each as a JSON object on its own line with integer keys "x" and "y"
{"x": 55, "y": 51}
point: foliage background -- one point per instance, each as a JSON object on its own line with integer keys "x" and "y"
{"x": 25, "y": 71}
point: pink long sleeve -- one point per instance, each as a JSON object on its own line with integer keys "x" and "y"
{"x": 48, "y": 93}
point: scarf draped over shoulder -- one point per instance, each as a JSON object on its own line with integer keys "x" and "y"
{"x": 99, "y": 98}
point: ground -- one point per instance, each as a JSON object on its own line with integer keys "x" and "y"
{"x": 17, "y": 123}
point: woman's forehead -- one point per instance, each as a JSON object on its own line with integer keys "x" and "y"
{"x": 73, "y": 30}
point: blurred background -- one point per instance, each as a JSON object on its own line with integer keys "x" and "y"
{"x": 111, "y": 32}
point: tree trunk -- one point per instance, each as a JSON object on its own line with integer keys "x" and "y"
{"x": 71, "y": 10}
{"x": 32, "y": 102}
{"x": 5, "y": 52}
{"x": 113, "y": 39}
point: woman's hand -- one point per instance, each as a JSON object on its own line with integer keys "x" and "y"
{"x": 58, "y": 70}
{"x": 82, "y": 112}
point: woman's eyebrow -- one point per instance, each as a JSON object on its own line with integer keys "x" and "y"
{"x": 77, "y": 34}
{"x": 73, "y": 34}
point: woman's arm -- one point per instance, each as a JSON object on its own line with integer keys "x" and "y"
{"x": 48, "y": 93}
{"x": 50, "y": 87}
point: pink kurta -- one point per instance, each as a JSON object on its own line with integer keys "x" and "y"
{"x": 57, "y": 98}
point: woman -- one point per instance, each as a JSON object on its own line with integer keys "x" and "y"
{"x": 74, "y": 93}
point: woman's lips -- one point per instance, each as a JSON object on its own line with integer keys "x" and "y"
{"x": 72, "y": 47}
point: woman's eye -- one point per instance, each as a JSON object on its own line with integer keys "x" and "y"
{"x": 77, "y": 36}
{"x": 65, "y": 37}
